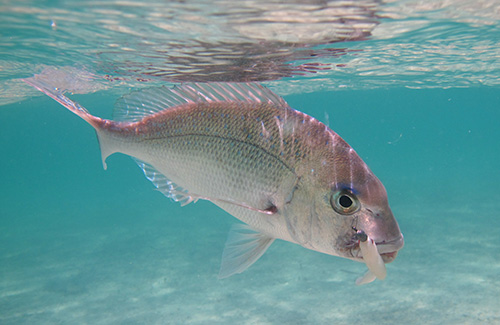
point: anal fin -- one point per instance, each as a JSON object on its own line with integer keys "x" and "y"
{"x": 244, "y": 246}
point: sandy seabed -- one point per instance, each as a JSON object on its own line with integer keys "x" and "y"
{"x": 159, "y": 270}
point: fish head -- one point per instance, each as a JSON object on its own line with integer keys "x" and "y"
{"x": 359, "y": 198}
{"x": 340, "y": 196}
{"x": 366, "y": 209}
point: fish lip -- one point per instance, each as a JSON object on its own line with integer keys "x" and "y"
{"x": 388, "y": 249}
{"x": 391, "y": 245}
{"x": 389, "y": 257}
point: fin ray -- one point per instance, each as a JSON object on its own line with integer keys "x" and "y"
{"x": 138, "y": 104}
{"x": 179, "y": 194}
{"x": 164, "y": 185}
{"x": 106, "y": 143}
{"x": 58, "y": 95}
{"x": 244, "y": 246}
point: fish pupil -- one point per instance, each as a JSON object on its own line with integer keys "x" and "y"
{"x": 345, "y": 201}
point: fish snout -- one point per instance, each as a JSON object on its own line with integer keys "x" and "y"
{"x": 382, "y": 227}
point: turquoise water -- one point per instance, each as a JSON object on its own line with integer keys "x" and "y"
{"x": 80, "y": 245}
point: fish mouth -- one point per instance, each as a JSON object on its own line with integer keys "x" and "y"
{"x": 388, "y": 249}
{"x": 389, "y": 257}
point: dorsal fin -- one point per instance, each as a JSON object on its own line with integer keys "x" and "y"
{"x": 138, "y": 104}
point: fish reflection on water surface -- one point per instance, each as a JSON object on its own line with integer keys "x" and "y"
{"x": 281, "y": 172}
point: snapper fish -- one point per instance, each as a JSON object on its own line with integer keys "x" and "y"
{"x": 283, "y": 173}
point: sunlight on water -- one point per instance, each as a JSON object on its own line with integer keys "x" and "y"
{"x": 333, "y": 45}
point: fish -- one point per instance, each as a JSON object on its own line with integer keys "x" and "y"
{"x": 282, "y": 173}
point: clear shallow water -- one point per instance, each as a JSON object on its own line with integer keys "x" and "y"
{"x": 82, "y": 245}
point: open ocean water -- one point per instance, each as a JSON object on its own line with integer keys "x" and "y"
{"x": 412, "y": 86}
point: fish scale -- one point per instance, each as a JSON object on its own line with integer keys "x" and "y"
{"x": 283, "y": 173}
{"x": 257, "y": 125}
{"x": 216, "y": 151}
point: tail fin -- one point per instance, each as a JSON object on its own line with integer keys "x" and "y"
{"x": 105, "y": 141}
{"x": 58, "y": 95}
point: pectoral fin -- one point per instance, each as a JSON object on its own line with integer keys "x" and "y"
{"x": 166, "y": 186}
{"x": 243, "y": 247}
{"x": 182, "y": 195}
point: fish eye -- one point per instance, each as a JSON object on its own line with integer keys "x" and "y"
{"x": 344, "y": 202}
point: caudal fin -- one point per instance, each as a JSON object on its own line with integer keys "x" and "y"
{"x": 58, "y": 95}
{"x": 105, "y": 141}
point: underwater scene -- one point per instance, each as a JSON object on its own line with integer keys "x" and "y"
{"x": 412, "y": 86}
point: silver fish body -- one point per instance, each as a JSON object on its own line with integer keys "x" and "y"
{"x": 283, "y": 173}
